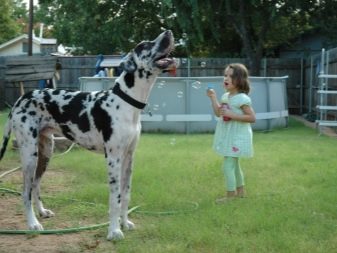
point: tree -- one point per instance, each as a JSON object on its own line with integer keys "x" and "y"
{"x": 323, "y": 18}
{"x": 222, "y": 28}
{"x": 9, "y": 28}
{"x": 107, "y": 26}
{"x": 255, "y": 25}
{"x": 263, "y": 24}
{"x": 20, "y": 15}
{"x": 206, "y": 28}
{"x": 102, "y": 26}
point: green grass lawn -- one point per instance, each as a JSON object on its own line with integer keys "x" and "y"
{"x": 291, "y": 185}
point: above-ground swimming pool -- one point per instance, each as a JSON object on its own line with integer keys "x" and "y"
{"x": 180, "y": 104}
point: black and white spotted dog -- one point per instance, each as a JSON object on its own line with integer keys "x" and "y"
{"x": 104, "y": 121}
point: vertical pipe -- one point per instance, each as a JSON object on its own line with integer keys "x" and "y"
{"x": 267, "y": 82}
{"x": 326, "y": 81}
{"x": 30, "y": 29}
{"x": 310, "y": 86}
{"x": 321, "y": 87}
{"x": 187, "y": 95}
{"x": 188, "y": 104}
{"x": 264, "y": 66}
{"x": 301, "y": 86}
{"x": 321, "y": 72}
{"x": 284, "y": 85}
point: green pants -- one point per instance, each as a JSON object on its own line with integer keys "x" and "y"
{"x": 233, "y": 173}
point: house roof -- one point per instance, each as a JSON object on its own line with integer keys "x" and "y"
{"x": 111, "y": 62}
{"x": 37, "y": 40}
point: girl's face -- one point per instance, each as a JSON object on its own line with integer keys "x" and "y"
{"x": 228, "y": 81}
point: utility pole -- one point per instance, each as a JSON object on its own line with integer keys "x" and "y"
{"x": 30, "y": 29}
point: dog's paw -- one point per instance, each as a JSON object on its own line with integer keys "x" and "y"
{"x": 128, "y": 225}
{"x": 115, "y": 235}
{"x": 45, "y": 213}
{"x": 35, "y": 226}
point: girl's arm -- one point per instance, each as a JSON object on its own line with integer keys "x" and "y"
{"x": 215, "y": 104}
{"x": 247, "y": 116}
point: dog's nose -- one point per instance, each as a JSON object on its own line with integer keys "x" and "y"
{"x": 168, "y": 32}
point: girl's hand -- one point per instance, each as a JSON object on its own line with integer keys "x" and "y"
{"x": 247, "y": 116}
{"x": 215, "y": 104}
{"x": 226, "y": 112}
{"x": 211, "y": 93}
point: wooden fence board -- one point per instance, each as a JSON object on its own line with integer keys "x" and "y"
{"x": 29, "y": 70}
{"x": 23, "y": 73}
{"x": 30, "y": 60}
{"x": 30, "y": 77}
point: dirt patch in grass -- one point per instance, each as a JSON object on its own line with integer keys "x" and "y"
{"x": 12, "y": 218}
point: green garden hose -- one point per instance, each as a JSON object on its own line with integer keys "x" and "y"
{"x": 55, "y": 231}
{"x": 59, "y": 231}
{"x": 194, "y": 205}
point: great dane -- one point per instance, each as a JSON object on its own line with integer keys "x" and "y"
{"x": 104, "y": 121}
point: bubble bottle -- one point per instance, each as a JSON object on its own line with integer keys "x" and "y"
{"x": 225, "y": 105}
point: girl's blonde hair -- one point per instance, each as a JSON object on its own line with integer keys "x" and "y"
{"x": 240, "y": 77}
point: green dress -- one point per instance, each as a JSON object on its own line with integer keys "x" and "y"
{"x": 234, "y": 138}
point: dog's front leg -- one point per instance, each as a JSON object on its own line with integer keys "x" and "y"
{"x": 126, "y": 188}
{"x": 114, "y": 172}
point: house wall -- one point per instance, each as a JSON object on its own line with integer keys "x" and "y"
{"x": 17, "y": 49}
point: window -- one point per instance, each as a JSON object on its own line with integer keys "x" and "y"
{"x": 25, "y": 47}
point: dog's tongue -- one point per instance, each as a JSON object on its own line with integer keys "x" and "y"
{"x": 173, "y": 71}
{"x": 164, "y": 61}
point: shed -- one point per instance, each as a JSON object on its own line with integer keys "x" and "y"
{"x": 19, "y": 46}
{"x": 108, "y": 66}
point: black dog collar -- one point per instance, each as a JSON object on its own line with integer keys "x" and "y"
{"x": 117, "y": 90}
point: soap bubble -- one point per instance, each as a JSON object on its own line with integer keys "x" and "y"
{"x": 196, "y": 85}
{"x": 182, "y": 42}
{"x": 161, "y": 84}
{"x": 155, "y": 107}
{"x": 180, "y": 94}
{"x": 173, "y": 141}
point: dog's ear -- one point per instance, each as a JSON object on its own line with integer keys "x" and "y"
{"x": 128, "y": 64}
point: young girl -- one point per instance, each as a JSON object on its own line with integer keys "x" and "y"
{"x": 233, "y": 134}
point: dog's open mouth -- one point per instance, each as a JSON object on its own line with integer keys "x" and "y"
{"x": 166, "y": 63}
{"x": 165, "y": 45}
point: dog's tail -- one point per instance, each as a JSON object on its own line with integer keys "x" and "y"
{"x": 6, "y": 136}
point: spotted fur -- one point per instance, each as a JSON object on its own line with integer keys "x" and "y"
{"x": 102, "y": 121}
